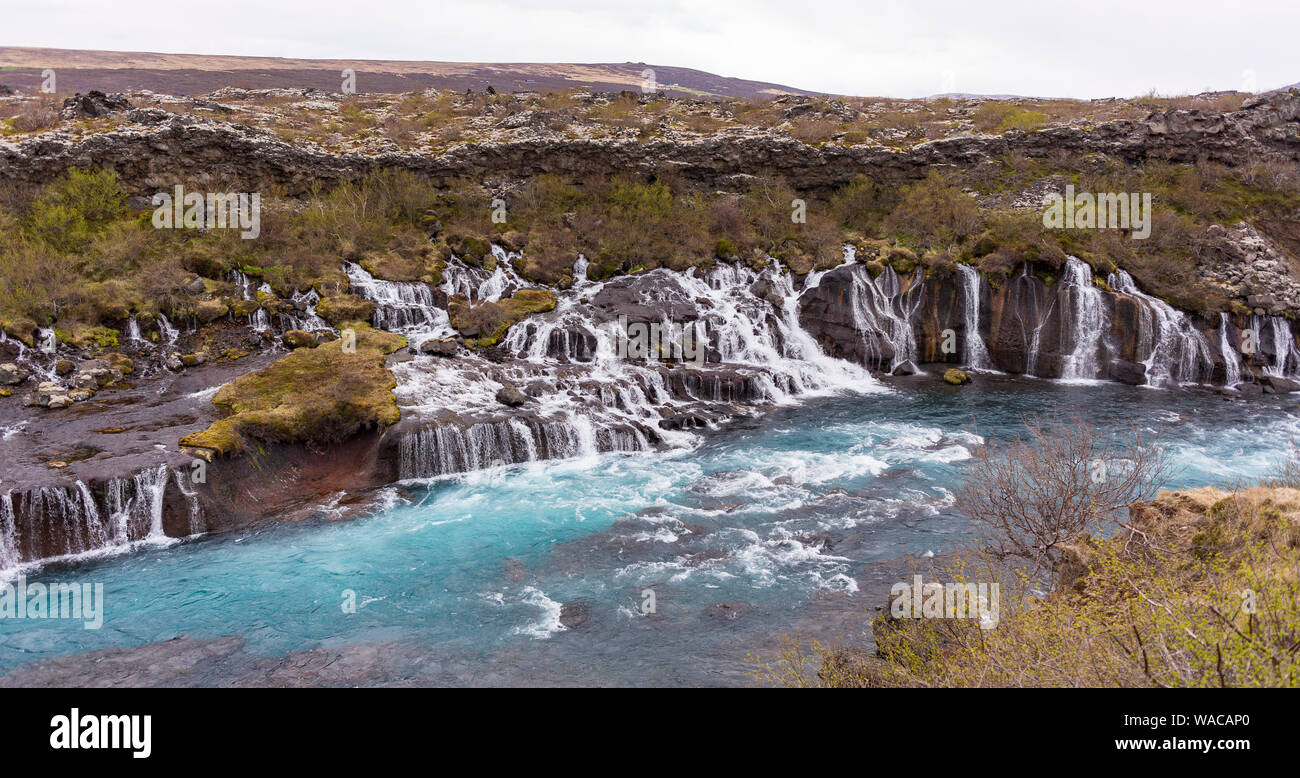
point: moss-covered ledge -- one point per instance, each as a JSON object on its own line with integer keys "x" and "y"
{"x": 485, "y": 323}
{"x": 311, "y": 396}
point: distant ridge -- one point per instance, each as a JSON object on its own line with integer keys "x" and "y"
{"x": 190, "y": 74}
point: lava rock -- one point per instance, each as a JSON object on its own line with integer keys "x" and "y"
{"x": 1280, "y": 385}
{"x": 1126, "y": 372}
{"x": 508, "y": 395}
{"x": 442, "y": 347}
{"x": 574, "y": 615}
{"x": 93, "y": 104}
{"x": 727, "y": 611}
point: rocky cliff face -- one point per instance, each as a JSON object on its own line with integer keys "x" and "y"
{"x": 1072, "y": 327}
{"x": 158, "y": 150}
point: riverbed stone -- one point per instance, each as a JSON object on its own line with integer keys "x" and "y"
{"x": 956, "y": 377}
{"x": 11, "y": 374}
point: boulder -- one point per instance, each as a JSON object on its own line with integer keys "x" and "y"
{"x": 906, "y": 367}
{"x": 439, "y": 347}
{"x": 298, "y": 339}
{"x": 93, "y": 104}
{"x": 344, "y": 308}
{"x": 508, "y": 395}
{"x": 48, "y": 395}
{"x": 574, "y": 615}
{"x": 727, "y": 611}
{"x": 1280, "y": 385}
{"x": 64, "y": 367}
{"x": 956, "y": 377}
{"x": 11, "y": 374}
{"x": 1126, "y": 372}
{"x": 208, "y": 310}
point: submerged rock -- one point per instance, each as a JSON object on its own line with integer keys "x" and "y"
{"x": 574, "y": 615}
{"x": 956, "y": 377}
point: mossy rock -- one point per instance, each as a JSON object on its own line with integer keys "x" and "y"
{"x": 209, "y": 310}
{"x": 473, "y": 250}
{"x": 22, "y": 329}
{"x": 902, "y": 260}
{"x": 298, "y": 339}
{"x": 121, "y": 363}
{"x": 345, "y": 307}
{"x": 64, "y": 367}
{"x": 956, "y": 377}
{"x": 486, "y": 323}
{"x": 83, "y": 336}
{"x": 392, "y": 266}
{"x": 243, "y": 308}
{"x": 312, "y": 396}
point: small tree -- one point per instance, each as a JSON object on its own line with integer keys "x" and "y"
{"x": 1033, "y": 494}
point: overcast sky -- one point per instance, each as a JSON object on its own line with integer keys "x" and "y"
{"x": 1094, "y": 48}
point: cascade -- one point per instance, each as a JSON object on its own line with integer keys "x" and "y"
{"x": 1083, "y": 321}
{"x": 974, "y": 354}
{"x": 400, "y": 306}
{"x": 1173, "y": 350}
{"x": 1231, "y": 359}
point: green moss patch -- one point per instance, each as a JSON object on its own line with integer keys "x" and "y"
{"x": 486, "y": 323}
{"x": 312, "y": 396}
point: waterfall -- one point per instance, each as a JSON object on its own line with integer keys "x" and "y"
{"x": 974, "y": 354}
{"x": 883, "y": 315}
{"x": 244, "y": 284}
{"x": 133, "y": 330}
{"x": 400, "y": 306}
{"x": 1176, "y": 352}
{"x": 1083, "y": 321}
{"x": 44, "y": 523}
{"x": 24, "y": 359}
{"x": 310, "y": 320}
{"x": 480, "y": 285}
{"x": 1231, "y": 360}
{"x": 9, "y": 556}
{"x": 47, "y": 341}
{"x": 1286, "y": 358}
{"x": 169, "y": 333}
{"x": 591, "y": 400}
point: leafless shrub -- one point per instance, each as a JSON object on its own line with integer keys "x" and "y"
{"x": 1036, "y": 493}
{"x": 35, "y": 116}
